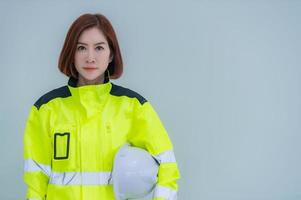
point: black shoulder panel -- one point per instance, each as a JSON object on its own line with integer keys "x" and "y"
{"x": 121, "y": 91}
{"x": 59, "y": 92}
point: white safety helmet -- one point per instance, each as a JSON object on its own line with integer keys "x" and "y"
{"x": 134, "y": 174}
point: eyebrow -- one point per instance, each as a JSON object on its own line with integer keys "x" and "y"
{"x": 94, "y": 44}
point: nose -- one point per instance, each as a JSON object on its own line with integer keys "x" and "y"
{"x": 90, "y": 57}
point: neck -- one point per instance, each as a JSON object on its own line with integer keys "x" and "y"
{"x": 82, "y": 81}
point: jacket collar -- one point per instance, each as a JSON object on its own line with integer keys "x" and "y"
{"x": 96, "y": 92}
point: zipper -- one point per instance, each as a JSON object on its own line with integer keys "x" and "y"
{"x": 79, "y": 153}
{"x": 103, "y": 148}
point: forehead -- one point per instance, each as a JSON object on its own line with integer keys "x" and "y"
{"x": 92, "y": 35}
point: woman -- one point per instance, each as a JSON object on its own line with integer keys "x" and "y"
{"x": 73, "y": 132}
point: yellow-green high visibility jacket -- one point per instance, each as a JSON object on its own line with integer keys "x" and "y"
{"x": 73, "y": 132}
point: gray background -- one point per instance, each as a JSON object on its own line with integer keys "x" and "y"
{"x": 224, "y": 76}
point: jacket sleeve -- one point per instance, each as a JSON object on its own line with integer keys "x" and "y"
{"x": 149, "y": 133}
{"x": 37, "y": 155}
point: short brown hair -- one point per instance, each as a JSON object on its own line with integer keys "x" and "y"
{"x": 86, "y": 21}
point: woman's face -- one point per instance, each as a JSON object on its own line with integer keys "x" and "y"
{"x": 92, "y": 55}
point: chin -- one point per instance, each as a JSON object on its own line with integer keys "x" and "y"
{"x": 90, "y": 77}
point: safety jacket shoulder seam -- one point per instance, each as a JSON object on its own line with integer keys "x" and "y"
{"x": 62, "y": 92}
{"x": 122, "y": 91}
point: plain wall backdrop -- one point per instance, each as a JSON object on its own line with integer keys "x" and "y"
{"x": 224, "y": 77}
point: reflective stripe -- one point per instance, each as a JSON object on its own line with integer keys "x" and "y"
{"x": 166, "y": 157}
{"x": 165, "y": 192}
{"x": 33, "y": 166}
{"x": 80, "y": 178}
{"x": 69, "y": 178}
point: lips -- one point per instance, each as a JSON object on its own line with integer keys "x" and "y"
{"x": 89, "y": 68}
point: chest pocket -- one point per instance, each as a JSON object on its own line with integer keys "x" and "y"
{"x": 61, "y": 145}
{"x": 64, "y": 147}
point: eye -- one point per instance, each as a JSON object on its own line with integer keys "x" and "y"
{"x": 80, "y": 48}
{"x": 99, "y": 48}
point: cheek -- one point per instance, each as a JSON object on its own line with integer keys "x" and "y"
{"x": 78, "y": 58}
{"x": 103, "y": 58}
